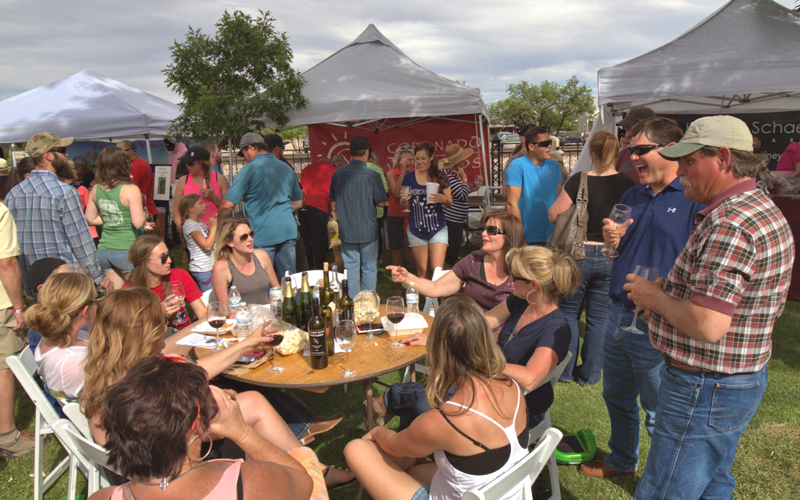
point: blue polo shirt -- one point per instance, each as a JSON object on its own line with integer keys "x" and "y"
{"x": 539, "y": 191}
{"x": 661, "y": 227}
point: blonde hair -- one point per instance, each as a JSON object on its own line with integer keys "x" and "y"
{"x": 225, "y": 236}
{"x": 128, "y": 326}
{"x": 461, "y": 349}
{"x": 187, "y": 202}
{"x": 605, "y": 148}
{"x": 556, "y": 273}
{"x": 399, "y": 155}
{"x": 139, "y": 254}
{"x": 62, "y": 297}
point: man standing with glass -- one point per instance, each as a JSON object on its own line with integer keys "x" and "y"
{"x": 712, "y": 320}
{"x": 662, "y": 220}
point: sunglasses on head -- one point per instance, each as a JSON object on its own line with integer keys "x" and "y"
{"x": 492, "y": 230}
{"x": 643, "y": 150}
{"x": 63, "y": 151}
{"x": 244, "y": 237}
{"x": 544, "y": 144}
{"x": 163, "y": 258}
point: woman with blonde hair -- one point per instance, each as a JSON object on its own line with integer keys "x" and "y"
{"x": 475, "y": 434}
{"x": 115, "y": 203}
{"x": 65, "y": 304}
{"x": 605, "y": 187}
{"x": 241, "y": 265}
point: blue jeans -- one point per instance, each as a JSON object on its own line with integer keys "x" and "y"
{"x": 592, "y": 296}
{"x": 361, "y": 262}
{"x": 630, "y": 369}
{"x": 698, "y": 424}
{"x": 283, "y": 257}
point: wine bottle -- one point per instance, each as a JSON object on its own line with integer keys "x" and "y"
{"x": 289, "y": 309}
{"x": 346, "y": 305}
{"x": 337, "y": 290}
{"x": 326, "y": 292}
{"x": 327, "y": 316}
{"x": 304, "y": 302}
{"x": 317, "y": 340}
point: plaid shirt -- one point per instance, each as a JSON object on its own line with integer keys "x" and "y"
{"x": 50, "y": 223}
{"x": 738, "y": 261}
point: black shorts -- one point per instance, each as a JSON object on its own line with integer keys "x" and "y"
{"x": 394, "y": 227}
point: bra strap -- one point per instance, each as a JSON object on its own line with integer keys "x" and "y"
{"x": 476, "y": 443}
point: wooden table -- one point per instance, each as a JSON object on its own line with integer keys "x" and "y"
{"x": 369, "y": 358}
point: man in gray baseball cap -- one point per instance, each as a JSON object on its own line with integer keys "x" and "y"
{"x": 712, "y": 317}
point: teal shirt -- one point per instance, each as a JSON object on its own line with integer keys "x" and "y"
{"x": 539, "y": 187}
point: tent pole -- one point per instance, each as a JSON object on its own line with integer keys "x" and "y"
{"x": 483, "y": 148}
{"x": 13, "y": 156}
{"x": 149, "y": 153}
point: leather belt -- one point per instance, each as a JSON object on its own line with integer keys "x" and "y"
{"x": 683, "y": 366}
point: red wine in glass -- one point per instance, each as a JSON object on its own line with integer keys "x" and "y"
{"x": 216, "y": 323}
{"x": 395, "y": 312}
{"x": 276, "y": 340}
{"x": 395, "y": 317}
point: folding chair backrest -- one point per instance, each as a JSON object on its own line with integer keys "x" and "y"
{"x": 75, "y": 415}
{"x": 522, "y": 475}
{"x": 84, "y": 445}
{"x": 24, "y": 367}
{"x": 555, "y": 373}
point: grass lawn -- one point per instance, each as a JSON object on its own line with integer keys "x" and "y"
{"x": 766, "y": 465}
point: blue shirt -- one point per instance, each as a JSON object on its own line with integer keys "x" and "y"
{"x": 356, "y": 189}
{"x": 426, "y": 219}
{"x": 50, "y": 223}
{"x": 539, "y": 190}
{"x": 216, "y": 169}
{"x": 661, "y": 227}
{"x": 268, "y": 187}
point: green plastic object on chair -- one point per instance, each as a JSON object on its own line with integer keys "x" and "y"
{"x": 576, "y": 448}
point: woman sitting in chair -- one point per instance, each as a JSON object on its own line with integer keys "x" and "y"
{"x": 475, "y": 434}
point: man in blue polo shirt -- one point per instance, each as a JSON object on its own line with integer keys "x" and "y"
{"x": 355, "y": 192}
{"x": 271, "y": 194}
{"x": 662, "y": 221}
{"x": 534, "y": 183}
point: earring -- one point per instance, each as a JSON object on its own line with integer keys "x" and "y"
{"x": 526, "y": 299}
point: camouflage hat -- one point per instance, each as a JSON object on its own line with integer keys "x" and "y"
{"x": 43, "y": 142}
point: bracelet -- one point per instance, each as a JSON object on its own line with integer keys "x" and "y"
{"x": 19, "y": 311}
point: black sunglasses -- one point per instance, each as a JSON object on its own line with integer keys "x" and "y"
{"x": 643, "y": 150}
{"x": 244, "y": 237}
{"x": 544, "y": 144}
{"x": 518, "y": 278}
{"x": 492, "y": 230}
{"x": 163, "y": 258}
{"x": 63, "y": 151}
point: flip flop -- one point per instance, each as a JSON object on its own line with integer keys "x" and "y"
{"x": 340, "y": 485}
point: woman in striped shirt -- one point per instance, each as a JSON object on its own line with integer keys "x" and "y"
{"x": 456, "y": 215}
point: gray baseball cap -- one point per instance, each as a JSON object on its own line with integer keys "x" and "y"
{"x": 248, "y": 139}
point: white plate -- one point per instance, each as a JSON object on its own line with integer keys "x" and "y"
{"x": 204, "y": 327}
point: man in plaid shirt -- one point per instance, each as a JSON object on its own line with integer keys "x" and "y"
{"x": 50, "y": 221}
{"x": 713, "y": 319}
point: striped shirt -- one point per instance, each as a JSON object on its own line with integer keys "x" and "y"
{"x": 50, "y": 223}
{"x": 459, "y": 191}
{"x": 357, "y": 190}
{"x": 200, "y": 261}
{"x": 738, "y": 261}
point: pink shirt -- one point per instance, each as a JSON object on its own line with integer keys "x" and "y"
{"x": 789, "y": 157}
{"x": 224, "y": 490}
{"x": 191, "y": 188}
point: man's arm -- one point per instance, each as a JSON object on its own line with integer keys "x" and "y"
{"x": 11, "y": 277}
{"x": 513, "y": 201}
{"x": 225, "y": 211}
{"x": 297, "y": 205}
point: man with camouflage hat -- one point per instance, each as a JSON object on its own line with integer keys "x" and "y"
{"x": 50, "y": 221}
{"x": 712, "y": 317}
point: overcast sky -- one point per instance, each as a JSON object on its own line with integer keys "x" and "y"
{"x": 486, "y": 44}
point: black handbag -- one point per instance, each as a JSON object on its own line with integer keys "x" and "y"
{"x": 570, "y": 231}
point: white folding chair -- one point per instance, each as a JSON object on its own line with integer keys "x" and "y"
{"x": 537, "y": 432}
{"x": 84, "y": 454}
{"x": 75, "y": 415}
{"x": 205, "y": 296}
{"x": 24, "y": 367}
{"x": 430, "y": 301}
{"x": 522, "y": 476}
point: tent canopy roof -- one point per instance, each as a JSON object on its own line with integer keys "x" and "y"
{"x": 370, "y": 78}
{"x": 85, "y": 106}
{"x": 746, "y": 55}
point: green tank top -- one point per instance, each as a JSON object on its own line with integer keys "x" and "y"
{"x": 118, "y": 230}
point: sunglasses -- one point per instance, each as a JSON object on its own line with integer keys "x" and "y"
{"x": 518, "y": 278}
{"x": 244, "y": 237}
{"x": 492, "y": 230}
{"x": 163, "y": 258}
{"x": 544, "y": 144}
{"x": 643, "y": 150}
{"x": 63, "y": 151}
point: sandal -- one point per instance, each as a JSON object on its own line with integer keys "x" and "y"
{"x": 340, "y": 485}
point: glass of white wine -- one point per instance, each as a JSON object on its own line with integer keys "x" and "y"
{"x": 620, "y": 215}
{"x": 650, "y": 274}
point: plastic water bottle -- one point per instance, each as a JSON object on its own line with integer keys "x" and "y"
{"x": 234, "y": 298}
{"x": 412, "y": 299}
{"x": 242, "y": 321}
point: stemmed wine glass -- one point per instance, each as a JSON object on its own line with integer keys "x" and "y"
{"x": 277, "y": 338}
{"x": 407, "y": 193}
{"x": 479, "y": 180}
{"x": 215, "y": 314}
{"x": 619, "y": 215}
{"x": 370, "y": 303}
{"x": 650, "y": 274}
{"x": 176, "y": 288}
{"x": 346, "y": 339}
{"x": 395, "y": 312}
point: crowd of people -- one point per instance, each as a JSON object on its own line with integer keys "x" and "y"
{"x": 722, "y": 250}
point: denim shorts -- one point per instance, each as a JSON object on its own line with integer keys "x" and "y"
{"x": 114, "y": 259}
{"x": 440, "y": 237}
{"x": 423, "y": 493}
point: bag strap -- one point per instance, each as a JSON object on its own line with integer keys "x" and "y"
{"x": 582, "y": 205}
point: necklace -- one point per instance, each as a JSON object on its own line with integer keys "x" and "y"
{"x": 164, "y": 483}
{"x": 547, "y": 311}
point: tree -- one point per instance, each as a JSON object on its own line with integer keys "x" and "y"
{"x": 549, "y": 105}
{"x": 294, "y": 134}
{"x": 234, "y": 81}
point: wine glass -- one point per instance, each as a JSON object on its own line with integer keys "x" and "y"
{"x": 346, "y": 339}
{"x": 215, "y": 314}
{"x": 277, "y": 338}
{"x": 407, "y": 193}
{"x": 395, "y": 312}
{"x": 479, "y": 180}
{"x": 369, "y": 302}
{"x": 620, "y": 215}
{"x": 176, "y": 288}
{"x": 650, "y": 274}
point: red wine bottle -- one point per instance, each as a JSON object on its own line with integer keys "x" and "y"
{"x": 318, "y": 344}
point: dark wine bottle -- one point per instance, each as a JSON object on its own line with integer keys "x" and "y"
{"x": 304, "y": 302}
{"x": 289, "y": 309}
{"x": 317, "y": 340}
{"x": 325, "y": 290}
{"x": 346, "y": 305}
{"x": 327, "y": 316}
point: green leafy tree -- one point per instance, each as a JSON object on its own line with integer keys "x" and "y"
{"x": 294, "y": 134}
{"x": 232, "y": 82}
{"x": 550, "y": 105}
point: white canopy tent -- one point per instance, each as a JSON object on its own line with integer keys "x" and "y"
{"x": 86, "y": 106}
{"x": 743, "y": 58}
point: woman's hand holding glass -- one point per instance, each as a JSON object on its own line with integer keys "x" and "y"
{"x": 171, "y": 304}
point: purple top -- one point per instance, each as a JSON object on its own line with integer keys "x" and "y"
{"x": 470, "y": 271}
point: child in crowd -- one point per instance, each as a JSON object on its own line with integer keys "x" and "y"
{"x": 199, "y": 239}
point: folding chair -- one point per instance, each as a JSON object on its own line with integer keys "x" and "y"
{"x": 84, "y": 454}
{"x": 522, "y": 475}
{"x": 433, "y": 302}
{"x": 75, "y": 415}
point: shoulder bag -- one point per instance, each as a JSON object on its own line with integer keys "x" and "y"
{"x": 570, "y": 231}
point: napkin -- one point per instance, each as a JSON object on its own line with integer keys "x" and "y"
{"x": 411, "y": 321}
{"x": 198, "y": 340}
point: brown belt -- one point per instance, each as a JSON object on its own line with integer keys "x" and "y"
{"x": 682, "y": 366}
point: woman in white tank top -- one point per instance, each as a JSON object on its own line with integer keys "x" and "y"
{"x": 475, "y": 436}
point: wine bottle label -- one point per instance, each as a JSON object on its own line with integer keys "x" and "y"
{"x": 317, "y": 341}
{"x": 346, "y": 313}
